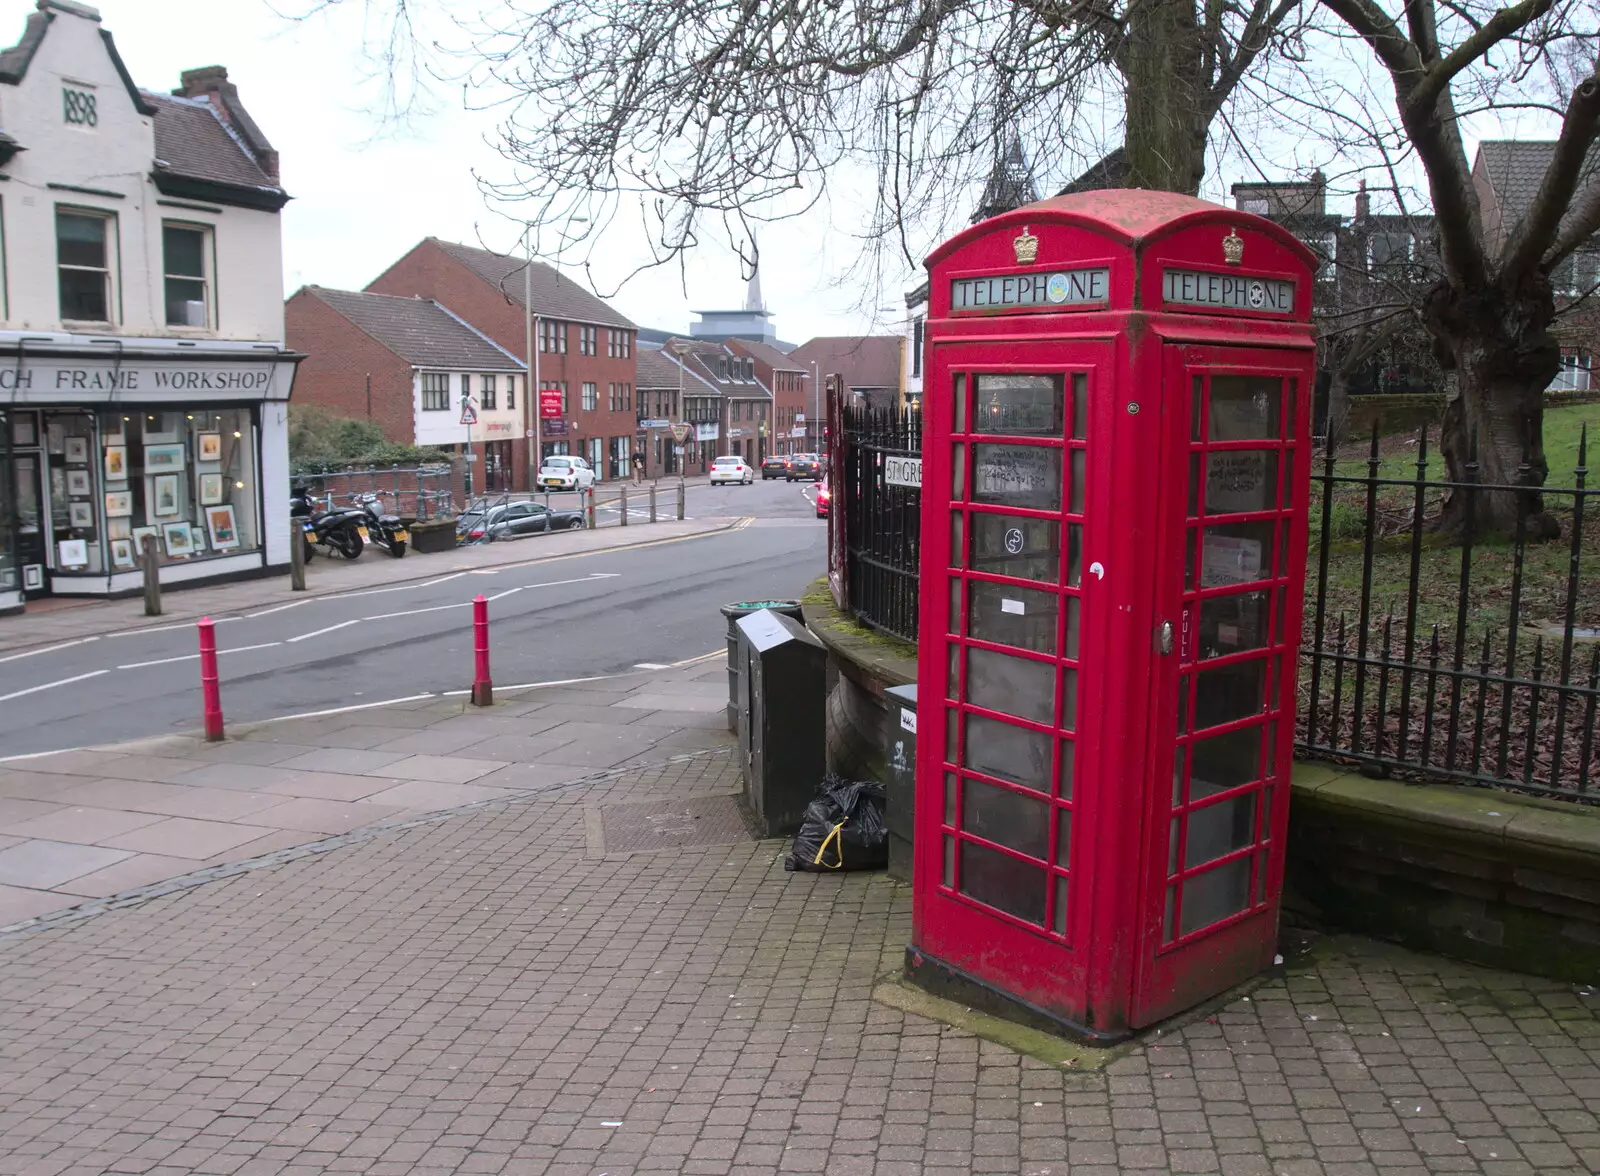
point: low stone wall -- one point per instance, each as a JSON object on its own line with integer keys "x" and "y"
{"x": 1498, "y": 879}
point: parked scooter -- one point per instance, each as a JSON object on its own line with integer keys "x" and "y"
{"x": 386, "y": 530}
{"x": 343, "y": 531}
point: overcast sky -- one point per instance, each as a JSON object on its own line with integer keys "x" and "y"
{"x": 364, "y": 194}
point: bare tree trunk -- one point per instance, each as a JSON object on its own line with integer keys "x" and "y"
{"x": 1338, "y": 405}
{"x": 1504, "y": 357}
{"x": 1162, "y": 64}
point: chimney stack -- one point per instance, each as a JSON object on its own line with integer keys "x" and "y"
{"x": 210, "y": 82}
{"x": 1363, "y": 201}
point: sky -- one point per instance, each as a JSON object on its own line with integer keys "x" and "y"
{"x": 364, "y": 193}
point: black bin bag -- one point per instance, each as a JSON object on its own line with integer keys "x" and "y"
{"x": 843, "y": 829}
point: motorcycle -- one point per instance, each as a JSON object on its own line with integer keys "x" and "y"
{"x": 387, "y": 531}
{"x": 343, "y": 530}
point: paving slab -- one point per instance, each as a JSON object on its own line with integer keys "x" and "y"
{"x": 188, "y": 838}
{"x": 39, "y": 865}
{"x": 84, "y": 826}
{"x": 486, "y": 993}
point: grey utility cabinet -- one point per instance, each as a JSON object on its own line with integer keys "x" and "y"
{"x": 781, "y": 713}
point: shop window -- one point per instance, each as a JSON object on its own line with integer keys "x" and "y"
{"x": 486, "y": 397}
{"x": 84, "y": 242}
{"x": 186, "y": 250}
{"x": 187, "y": 480}
{"x": 435, "y": 391}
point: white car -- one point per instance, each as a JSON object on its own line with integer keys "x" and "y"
{"x": 732, "y": 469}
{"x": 566, "y": 473}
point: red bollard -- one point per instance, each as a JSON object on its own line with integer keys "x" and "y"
{"x": 482, "y": 688}
{"x": 210, "y": 691}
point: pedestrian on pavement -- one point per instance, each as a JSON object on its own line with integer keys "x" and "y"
{"x": 638, "y": 467}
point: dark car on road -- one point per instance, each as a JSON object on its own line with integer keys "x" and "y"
{"x": 514, "y": 520}
{"x": 804, "y": 465}
{"x": 776, "y": 466}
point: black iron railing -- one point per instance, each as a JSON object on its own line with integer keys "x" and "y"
{"x": 1437, "y": 648}
{"x": 882, "y": 522}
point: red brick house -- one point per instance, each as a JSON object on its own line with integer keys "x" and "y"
{"x": 869, "y": 364}
{"x": 1507, "y": 174}
{"x": 582, "y": 345}
{"x": 407, "y": 364}
{"x": 787, "y": 380}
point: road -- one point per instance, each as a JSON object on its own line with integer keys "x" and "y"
{"x": 550, "y": 620}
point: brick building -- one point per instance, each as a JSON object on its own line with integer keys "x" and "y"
{"x": 787, "y": 380}
{"x": 582, "y": 347}
{"x": 408, "y": 365}
{"x": 869, "y": 364}
{"x": 729, "y": 407}
{"x": 1506, "y": 175}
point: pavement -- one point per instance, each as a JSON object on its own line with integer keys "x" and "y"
{"x": 538, "y": 938}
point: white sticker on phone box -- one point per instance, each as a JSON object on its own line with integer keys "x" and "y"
{"x": 908, "y": 720}
{"x": 1012, "y": 606}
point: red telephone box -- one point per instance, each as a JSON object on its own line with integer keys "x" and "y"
{"x": 1114, "y": 503}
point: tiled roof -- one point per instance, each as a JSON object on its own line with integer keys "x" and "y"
{"x": 555, "y": 295}
{"x": 655, "y": 370}
{"x": 192, "y": 141}
{"x": 1515, "y": 168}
{"x": 865, "y": 361}
{"x": 769, "y": 355}
{"x": 703, "y": 358}
{"x": 421, "y": 332}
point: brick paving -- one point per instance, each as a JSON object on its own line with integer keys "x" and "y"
{"x": 497, "y": 991}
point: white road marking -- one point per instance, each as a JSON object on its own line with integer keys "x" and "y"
{"x": 395, "y": 588}
{"x": 531, "y": 685}
{"x": 339, "y": 710}
{"x": 648, "y": 666}
{"x": 267, "y": 612}
{"x": 52, "y": 685}
{"x": 411, "y": 612}
{"x": 510, "y": 591}
{"x": 689, "y": 661}
{"x": 6, "y": 759}
{"x": 170, "y": 628}
{"x": 48, "y": 649}
{"x": 161, "y": 661}
{"x": 329, "y": 629}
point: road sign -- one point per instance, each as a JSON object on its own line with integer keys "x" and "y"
{"x": 469, "y": 415}
{"x": 549, "y": 402}
{"x": 903, "y": 471}
{"x": 681, "y": 431}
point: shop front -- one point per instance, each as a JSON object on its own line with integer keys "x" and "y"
{"x": 108, "y": 449}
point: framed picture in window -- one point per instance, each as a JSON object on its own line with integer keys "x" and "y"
{"x": 81, "y": 515}
{"x": 122, "y": 553}
{"x": 139, "y": 536}
{"x": 210, "y": 489}
{"x": 77, "y": 451}
{"x": 178, "y": 538}
{"x": 164, "y": 496}
{"x": 158, "y": 458}
{"x": 23, "y": 432}
{"x": 72, "y": 553}
{"x": 55, "y": 435}
{"x": 119, "y": 504}
{"x": 224, "y": 532}
{"x": 119, "y": 528}
{"x": 210, "y": 446}
{"x": 161, "y": 426}
{"x": 78, "y": 483}
{"x": 116, "y": 462}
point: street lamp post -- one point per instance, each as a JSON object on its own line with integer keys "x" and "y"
{"x": 530, "y": 397}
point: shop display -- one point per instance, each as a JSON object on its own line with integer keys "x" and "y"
{"x": 119, "y": 528}
{"x": 77, "y": 450}
{"x": 220, "y": 524}
{"x": 208, "y": 447}
{"x": 122, "y": 553}
{"x": 140, "y": 534}
{"x": 178, "y": 538}
{"x": 73, "y": 553}
{"x": 78, "y": 483}
{"x": 164, "y": 496}
{"x": 81, "y": 515}
{"x": 162, "y": 457}
{"x": 116, "y": 463}
{"x": 119, "y": 503}
{"x": 210, "y": 489}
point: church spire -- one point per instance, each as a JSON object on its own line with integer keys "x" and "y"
{"x": 752, "y": 298}
{"x": 1010, "y": 183}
